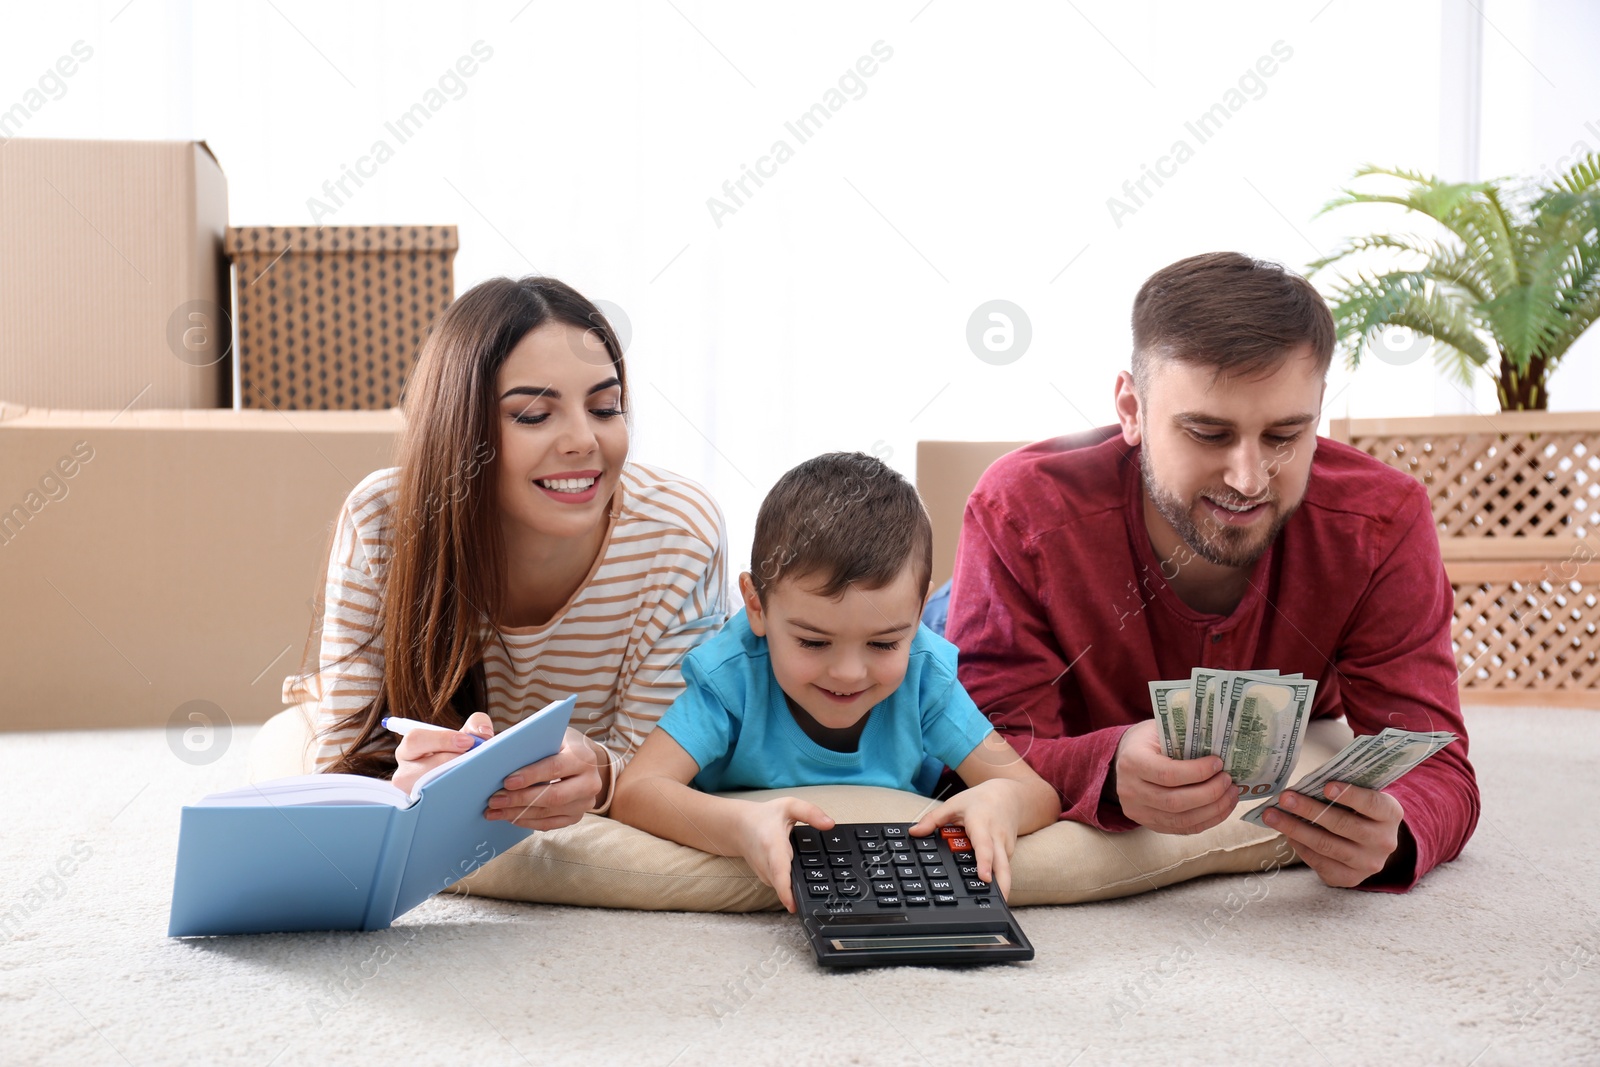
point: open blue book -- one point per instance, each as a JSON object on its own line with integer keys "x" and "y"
{"x": 343, "y": 851}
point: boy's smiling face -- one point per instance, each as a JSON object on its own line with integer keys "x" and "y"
{"x": 836, "y": 658}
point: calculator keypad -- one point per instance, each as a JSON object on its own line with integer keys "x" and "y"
{"x": 882, "y": 867}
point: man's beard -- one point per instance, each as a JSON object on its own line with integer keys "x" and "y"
{"x": 1210, "y": 539}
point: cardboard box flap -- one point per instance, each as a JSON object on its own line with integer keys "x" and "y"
{"x": 116, "y": 287}
{"x": 275, "y": 240}
{"x": 386, "y": 420}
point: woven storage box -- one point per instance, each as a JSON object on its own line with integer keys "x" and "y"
{"x": 1516, "y": 497}
{"x": 331, "y": 317}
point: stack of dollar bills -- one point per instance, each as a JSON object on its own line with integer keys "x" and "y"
{"x": 1252, "y": 719}
{"x": 1371, "y": 761}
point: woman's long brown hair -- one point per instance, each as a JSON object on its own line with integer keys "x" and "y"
{"x": 446, "y": 570}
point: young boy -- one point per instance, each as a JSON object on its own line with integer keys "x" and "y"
{"x": 827, "y": 678}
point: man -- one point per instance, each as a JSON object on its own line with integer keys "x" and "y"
{"x": 1212, "y": 528}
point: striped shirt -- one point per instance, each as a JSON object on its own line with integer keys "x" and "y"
{"x": 658, "y": 589}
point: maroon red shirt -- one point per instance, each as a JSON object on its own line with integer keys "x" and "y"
{"x": 1062, "y": 616}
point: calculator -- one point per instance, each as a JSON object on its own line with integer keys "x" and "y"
{"x": 870, "y": 894}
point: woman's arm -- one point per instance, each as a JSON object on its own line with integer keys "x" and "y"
{"x": 682, "y": 614}
{"x": 652, "y": 677}
{"x": 654, "y": 795}
{"x": 348, "y": 672}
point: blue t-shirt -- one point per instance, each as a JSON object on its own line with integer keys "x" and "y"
{"x": 732, "y": 720}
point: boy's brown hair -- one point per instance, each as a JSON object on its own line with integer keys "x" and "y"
{"x": 1230, "y": 312}
{"x": 845, "y": 518}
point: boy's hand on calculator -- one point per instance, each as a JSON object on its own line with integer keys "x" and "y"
{"x": 991, "y": 812}
{"x": 764, "y": 839}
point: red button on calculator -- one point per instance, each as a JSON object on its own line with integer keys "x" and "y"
{"x": 956, "y": 838}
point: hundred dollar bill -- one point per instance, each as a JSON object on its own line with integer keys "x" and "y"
{"x": 1374, "y": 761}
{"x": 1385, "y": 758}
{"x": 1228, "y": 705}
{"x": 1211, "y": 743}
{"x": 1170, "y": 700}
{"x": 1205, "y": 706}
{"x": 1343, "y": 764}
{"x": 1212, "y": 695}
{"x": 1393, "y": 754}
{"x": 1261, "y": 735}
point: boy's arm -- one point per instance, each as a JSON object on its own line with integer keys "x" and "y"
{"x": 652, "y": 676}
{"x": 1004, "y": 799}
{"x": 653, "y": 794}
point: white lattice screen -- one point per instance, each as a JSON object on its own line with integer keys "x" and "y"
{"x": 1516, "y": 497}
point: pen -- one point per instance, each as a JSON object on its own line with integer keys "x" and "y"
{"x": 402, "y": 726}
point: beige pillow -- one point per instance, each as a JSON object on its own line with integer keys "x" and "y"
{"x": 598, "y": 862}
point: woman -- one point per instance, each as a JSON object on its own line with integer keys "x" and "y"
{"x": 512, "y": 558}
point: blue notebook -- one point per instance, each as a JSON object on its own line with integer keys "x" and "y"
{"x": 343, "y": 851}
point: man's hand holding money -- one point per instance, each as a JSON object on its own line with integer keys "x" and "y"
{"x": 1345, "y": 843}
{"x": 1170, "y": 796}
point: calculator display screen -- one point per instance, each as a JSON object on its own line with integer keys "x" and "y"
{"x": 848, "y": 944}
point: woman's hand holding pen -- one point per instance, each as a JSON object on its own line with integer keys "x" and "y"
{"x": 424, "y": 747}
{"x": 554, "y": 792}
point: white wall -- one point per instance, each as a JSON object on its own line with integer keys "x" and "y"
{"x": 830, "y": 309}
{"x": 1541, "y": 112}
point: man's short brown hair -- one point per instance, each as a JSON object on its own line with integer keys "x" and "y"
{"x": 844, "y": 518}
{"x": 1237, "y": 315}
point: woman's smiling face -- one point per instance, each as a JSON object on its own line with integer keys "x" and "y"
{"x": 563, "y": 438}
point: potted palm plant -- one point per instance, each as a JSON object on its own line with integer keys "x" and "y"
{"x": 1508, "y": 281}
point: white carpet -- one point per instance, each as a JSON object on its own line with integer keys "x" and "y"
{"x": 1495, "y": 959}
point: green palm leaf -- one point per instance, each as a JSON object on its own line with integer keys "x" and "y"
{"x": 1369, "y": 305}
{"x": 1581, "y": 176}
{"x": 1513, "y": 279}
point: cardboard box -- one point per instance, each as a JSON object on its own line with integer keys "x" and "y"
{"x": 156, "y": 558}
{"x": 116, "y": 288}
{"x": 947, "y": 472}
{"x": 332, "y": 317}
